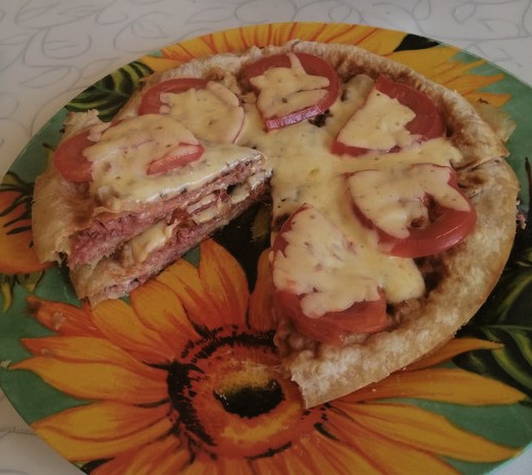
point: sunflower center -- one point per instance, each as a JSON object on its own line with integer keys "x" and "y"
{"x": 231, "y": 398}
{"x": 251, "y": 401}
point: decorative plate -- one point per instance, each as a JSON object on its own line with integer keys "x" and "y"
{"x": 181, "y": 375}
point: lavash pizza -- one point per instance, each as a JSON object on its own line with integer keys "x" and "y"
{"x": 393, "y": 209}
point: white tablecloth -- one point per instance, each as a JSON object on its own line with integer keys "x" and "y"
{"x": 50, "y": 50}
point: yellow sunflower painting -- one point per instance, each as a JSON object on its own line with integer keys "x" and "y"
{"x": 185, "y": 378}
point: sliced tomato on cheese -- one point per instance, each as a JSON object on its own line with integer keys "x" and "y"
{"x": 420, "y": 213}
{"x": 312, "y": 65}
{"x": 180, "y": 156}
{"x": 151, "y": 100}
{"x": 334, "y": 327}
{"x": 365, "y": 316}
{"x": 69, "y": 159}
{"x": 426, "y": 121}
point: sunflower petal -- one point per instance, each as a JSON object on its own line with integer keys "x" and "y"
{"x": 222, "y": 466}
{"x": 388, "y": 455}
{"x": 324, "y": 454}
{"x": 102, "y": 420}
{"x": 457, "y": 70}
{"x": 427, "y": 431}
{"x": 183, "y": 278}
{"x": 440, "y": 384}
{"x": 187, "y": 50}
{"x": 472, "y": 82}
{"x": 426, "y": 61}
{"x": 75, "y": 449}
{"x": 289, "y": 461}
{"x": 261, "y": 316}
{"x": 89, "y": 350}
{"x": 259, "y": 35}
{"x": 96, "y": 380}
{"x": 161, "y": 310}
{"x": 63, "y": 318}
{"x": 164, "y": 456}
{"x": 454, "y": 347}
{"x": 223, "y": 43}
{"x": 120, "y": 324}
{"x": 382, "y": 42}
{"x": 158, "y": 64}
{"x": 494, "y": 98}
{"x": 283, "y": 32}
{"x": 225, "y": 281}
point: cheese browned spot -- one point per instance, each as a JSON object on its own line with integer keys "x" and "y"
{"x": 393, "y": 198}
{"x": 379, "y": 124}
{"x": 213, "y": 114}
{"x": 286, "y": 90}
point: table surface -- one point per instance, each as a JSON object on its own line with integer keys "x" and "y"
{"x": 50, "y": 50}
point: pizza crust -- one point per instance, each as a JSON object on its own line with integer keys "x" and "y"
{"x": 473, "y": 266}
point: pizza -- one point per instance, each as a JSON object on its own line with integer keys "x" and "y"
{"x": 393, "y": 208}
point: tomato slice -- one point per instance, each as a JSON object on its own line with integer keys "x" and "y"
{"x": 447, "y": 228}
{"x": 312, "y": 65}
{"x": 151, "y": 99}
{"x": 332, "y": 327}
{"x": 427, "y": 124}
{"x": 177, "y": 158}
{"x": 69, "y": 159}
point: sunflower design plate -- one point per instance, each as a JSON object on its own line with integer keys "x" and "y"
{"x": 181, "y": 376}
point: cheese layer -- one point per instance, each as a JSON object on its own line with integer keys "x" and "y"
{"x": 379, "y": 124}
{"x": 212, "y": 114}
{"x": 329, "y": 273}
{"x": 305, "y": 171}
{"x": 392, "y": 199}
{"x": 121, "y": 158}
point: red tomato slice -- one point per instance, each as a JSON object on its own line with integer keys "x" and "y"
{"x": 332, "y": 327}
{"x": 151, "y": 99}
{"x": 69, "y": 159}
{"x": 312, "y": 65}
{"x": 427, "y": 123}
{"x": 177, "y": 158}
{"x": 449, "y": 227}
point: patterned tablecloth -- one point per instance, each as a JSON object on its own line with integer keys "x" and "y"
{"x": 50, "y": 50}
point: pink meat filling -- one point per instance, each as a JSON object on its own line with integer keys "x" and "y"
{"x": 108, "y": 231}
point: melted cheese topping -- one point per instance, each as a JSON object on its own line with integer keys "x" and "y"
{"x": 286, "y": 90}
{"x": 305, "y": 171}
{"x": 393, "y": 198}
{"x": 323, "y": 266}
{"x": 379, "y": 124}
{"x": 212, "y": 114}
{"x": 120, "y": 160}
{"x": 153, "y": 238}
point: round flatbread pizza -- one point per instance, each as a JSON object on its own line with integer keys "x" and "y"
{"x": 393, "y": 209}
